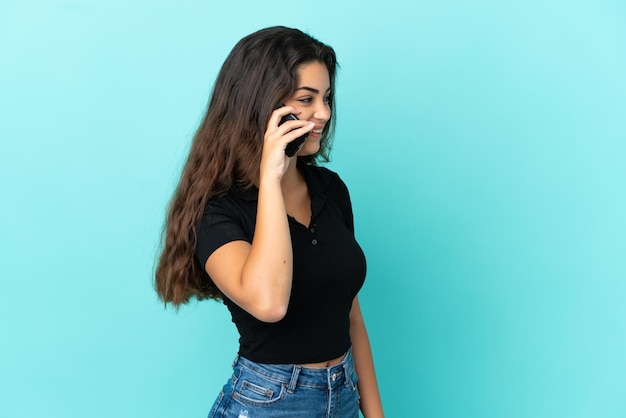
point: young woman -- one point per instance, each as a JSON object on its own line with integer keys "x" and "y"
{"x": 272, "y": 236}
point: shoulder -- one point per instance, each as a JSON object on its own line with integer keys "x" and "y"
{"x": 235, "y": 208}
{"x": 242, "y": 199}
{"x": 225, "y": 219}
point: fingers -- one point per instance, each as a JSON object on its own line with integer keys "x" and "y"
{"x": 274, "y": 160}
{"x": 278, "y": 114}
{"x": 293, "y": 133}
{"x": 289, "y": 130}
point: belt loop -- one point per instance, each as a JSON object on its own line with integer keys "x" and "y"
{"x": 235, "y": 360}
{"x": 294, "y": 379}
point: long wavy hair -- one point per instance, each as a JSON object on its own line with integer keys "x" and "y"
{"x": 258, "y": 75}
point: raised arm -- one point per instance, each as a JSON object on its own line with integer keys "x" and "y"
{"x": 258, "y": 276}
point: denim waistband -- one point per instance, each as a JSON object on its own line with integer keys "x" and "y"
{"x": 294, "y": 375}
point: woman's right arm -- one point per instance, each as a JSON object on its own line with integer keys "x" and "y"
{"x": 257, "y": 276}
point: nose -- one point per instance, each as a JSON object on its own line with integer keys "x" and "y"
{"x": 322, "y": 111}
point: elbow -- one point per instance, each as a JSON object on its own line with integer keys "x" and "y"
{"x": 266, "y": 300}
{"x": 271, "y": 313}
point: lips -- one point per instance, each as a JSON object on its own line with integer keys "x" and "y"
{"x": 317, "y": 130}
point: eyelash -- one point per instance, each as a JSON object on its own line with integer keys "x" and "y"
{"x": 327, "y": 99}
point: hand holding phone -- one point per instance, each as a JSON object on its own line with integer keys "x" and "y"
{"x": 294, "y": 146}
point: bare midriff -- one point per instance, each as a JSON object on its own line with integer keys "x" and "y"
{"x": 324, "y": 364}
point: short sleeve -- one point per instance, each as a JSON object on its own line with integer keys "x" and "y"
{"x": 221, "y": 223}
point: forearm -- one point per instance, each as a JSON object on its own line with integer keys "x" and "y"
{"x": 267, "y": 272}
{"x": 371, "y": 404}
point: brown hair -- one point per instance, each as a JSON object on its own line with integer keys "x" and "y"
{"x": 257, "y": 76}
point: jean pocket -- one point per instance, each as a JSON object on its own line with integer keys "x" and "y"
{"x": 258, "y": 391}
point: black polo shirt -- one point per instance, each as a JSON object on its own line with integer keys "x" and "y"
{"x": 329, "y": 269}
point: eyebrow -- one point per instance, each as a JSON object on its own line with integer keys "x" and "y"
{"x": 311, "y": 89}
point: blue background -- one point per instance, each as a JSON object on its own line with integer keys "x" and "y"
{"x": 483, "y": 144}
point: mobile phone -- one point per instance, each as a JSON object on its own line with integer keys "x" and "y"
{"x": 294, "y": 146}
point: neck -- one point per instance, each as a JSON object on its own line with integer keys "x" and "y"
{"x": 292, "y": 179}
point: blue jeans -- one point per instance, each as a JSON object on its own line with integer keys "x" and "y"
{"x": 258, "y": 390}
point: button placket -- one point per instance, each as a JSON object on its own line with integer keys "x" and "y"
{"x": 312, "y": 230}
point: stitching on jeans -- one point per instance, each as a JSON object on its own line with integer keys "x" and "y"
{"x": 258, "y": 403}
{"x": 259, "y": 390}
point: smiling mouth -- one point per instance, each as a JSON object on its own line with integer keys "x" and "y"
{"x": 317, "y": 131}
